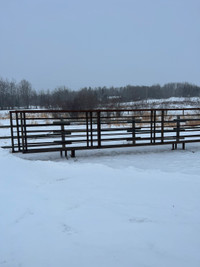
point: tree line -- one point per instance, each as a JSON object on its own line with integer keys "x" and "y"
{"x": 15, "y": 95}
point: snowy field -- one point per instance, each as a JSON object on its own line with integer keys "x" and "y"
{"x": 108, "y": 208}
{"x": 172, "y": 102}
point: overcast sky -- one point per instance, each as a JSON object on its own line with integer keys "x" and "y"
{"x": 80, "y": 43}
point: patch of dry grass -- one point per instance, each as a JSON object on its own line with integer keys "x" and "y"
{"x": 5, "y": 116}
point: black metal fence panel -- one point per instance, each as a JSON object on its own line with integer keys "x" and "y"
{"x": 63, "y": 130}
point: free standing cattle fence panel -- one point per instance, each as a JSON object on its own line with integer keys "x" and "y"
{"x": 63, "y": 130}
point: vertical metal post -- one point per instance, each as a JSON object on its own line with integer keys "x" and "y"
{"x": 99, "y": 128}
{"x": 91, "y": 129}
{"x": 18, "y": 132}
{"x": 162, "y": 125}
{"x": 72, "y": 153}
{"x": 151, "y": 125}
{"x": 22, "y": 131}
{"x": 154, "y": 130}
{"x": 12, "y": 134}
{"x": 25, "y": 134}
{"x": 133, "y": 130}
{"x": 178, "y": 129}
{"x": 87, "y": 129}
{"x": 63, "y": 134}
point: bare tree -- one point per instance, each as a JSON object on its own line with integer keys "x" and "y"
{"x": 25, "y": 90}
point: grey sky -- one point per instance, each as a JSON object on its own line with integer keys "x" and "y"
{"x": 80, "y": 43}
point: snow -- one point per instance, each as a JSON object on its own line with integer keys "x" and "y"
{"x": 172, "y": 102}
{"x": 124, "y": 207}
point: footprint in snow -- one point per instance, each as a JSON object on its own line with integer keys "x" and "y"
{"x": 139, "y": 220}
{"x": 61, "y": 179}
{"x": 67, "y": 229}
{"x": 24, "y": 215}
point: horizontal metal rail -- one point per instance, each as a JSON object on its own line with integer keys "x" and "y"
{"x": 65, "y": 130}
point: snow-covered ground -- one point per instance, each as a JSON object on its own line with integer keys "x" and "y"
{"x": 172, "y": 102}
{"x": 124, "y": 207}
